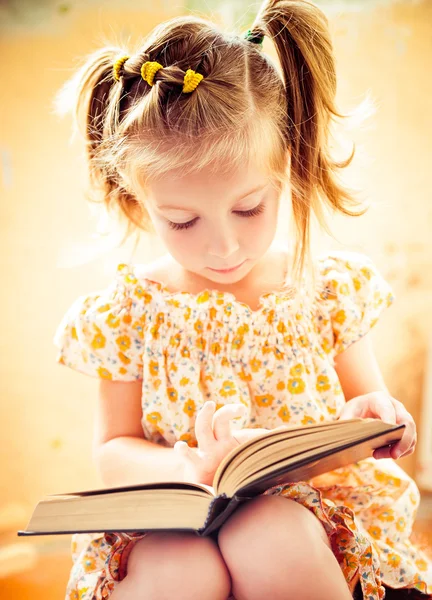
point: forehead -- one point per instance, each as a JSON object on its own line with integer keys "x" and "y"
{"x": 208, "y": 184}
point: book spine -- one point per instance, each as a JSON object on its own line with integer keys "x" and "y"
{"x": 217, "y": 518}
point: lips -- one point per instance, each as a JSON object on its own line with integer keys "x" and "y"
{"x": 227, "y": 270}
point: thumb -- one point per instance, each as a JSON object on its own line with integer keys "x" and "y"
{"x": 385, "y": 410}
{"x": 349, "y": 410}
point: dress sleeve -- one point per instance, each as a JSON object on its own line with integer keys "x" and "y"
{"x": 354, "y": 294}
{"x": 101, "y": 334}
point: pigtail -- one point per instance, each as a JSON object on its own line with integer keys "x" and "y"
{"x": 93, "y": 96}
{"x": 299, "y": 31}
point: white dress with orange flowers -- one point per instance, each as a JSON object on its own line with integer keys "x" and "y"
{"x": 278, "y": 361}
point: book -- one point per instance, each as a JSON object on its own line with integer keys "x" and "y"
{"x": 282, "y": 455}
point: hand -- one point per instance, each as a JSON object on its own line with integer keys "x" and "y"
{"x": 382, "y": 406}
{"x": 215, "y": 441}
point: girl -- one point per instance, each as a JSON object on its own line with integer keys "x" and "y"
{"x": 198, "y": 136}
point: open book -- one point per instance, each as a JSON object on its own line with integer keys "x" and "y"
{"x": 280, "y": 456}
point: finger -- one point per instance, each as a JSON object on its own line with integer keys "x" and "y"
{"x": 184, "y": 450}
{"x": 203, "y": 426}
{"x": 384, "y": 408}
{"x": 222, "y": 420}
{"x": 409, "y": 436}
{"x": 383, "y": 452}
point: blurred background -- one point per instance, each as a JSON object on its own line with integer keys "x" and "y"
{"x": 50, "y": 255}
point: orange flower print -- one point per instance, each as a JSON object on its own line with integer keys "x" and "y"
{"x": 104, "y": 373}
{"x": 200, "y": 343}
{"x": 184, "y": 381}
{"x": 393, "y": 559}
{"x": 175, "y": 340}
{"x": 265, "y": 400}
{"x": 271, "y": 316}
{"x": 127, "y": 319}
{"x": 366, "y": 272}
{"x": 279, "y": 354}
{"x": 225, "y": 362}
{"x": 112, "y": 321}
{"x": 243, "y": 329}
{"x": 375, "y": 532}
{"x": 125, "y": 360}
{"x": 344, "y": 289}
{"x": 99, "y": 339}
{"x": 245, "y": 376}
{"x": 296, "y": 386}
{"x": 215, "y": 348}
{"x": 255, "y": 364}
{"x": 185, "y": 352}
{"x": 123, "y": 342}
{"x": 154, "y": 417}
{"x": 386, "y": 515}
{"x": 154, "y": 368}
{"x": 142, "y": 294}
{"x": 304, "y": 342}
{"x": 74, "y": 333}
{"x": 284, "y": 414}
{"x": 297, "y": 370}
{"x": 227, "y": 389}
{"x": 104, "y": 308}
{"x": 189, "y": 407}
{"x": 190, "y": 441}
{"x": 421, "y": 564}
{"x": 357, "y": 283}
{"x": 307, "y": 420}
{"x": 122, "y": 371}
{"x": 281, "y": 327}
{"x": 322, "y": 384}
{"x": 187, "y": 313}
{"x": 88, "y": 563}
{"x": 198, "y": 326}
{"x": 387, "y": 480}
{"x": 212, "y": 313}
{"x": 340, "y": 317}
{"x": 228, "y": 308}
{"x": 326, "y": 346}
{"x": 280, "y": 386}
{"x": 237, "y": 342}
{"x": 203, "y": 297}
{"x": 172, "y": 394}
{"x": 401, "y": 524}
{"x": 156, "y": 383}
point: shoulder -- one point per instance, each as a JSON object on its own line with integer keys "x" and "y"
{"x": 348, "y": 273}
{"x": 352, "y": 293}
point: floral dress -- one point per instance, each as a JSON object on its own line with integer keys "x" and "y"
{"x": 278, "y": 361}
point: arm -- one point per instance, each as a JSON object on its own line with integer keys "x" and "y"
{"x": 121, "y": 454}
{"x": 367, "y": 395}
{"x": 358, "y": 370}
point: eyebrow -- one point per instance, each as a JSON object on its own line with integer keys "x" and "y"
{"x": 257, "y": 189}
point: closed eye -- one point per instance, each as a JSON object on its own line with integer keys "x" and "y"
{"x": 253, "y": 212}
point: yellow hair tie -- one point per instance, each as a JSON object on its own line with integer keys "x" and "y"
{"x": 118, "y": 66}
{"x": 191, "y": 80}
{"x": 149, "y": 70}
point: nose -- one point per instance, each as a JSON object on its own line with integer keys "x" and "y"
{"x": 222, "y": 242}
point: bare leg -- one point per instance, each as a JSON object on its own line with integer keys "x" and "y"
{"x": 275, "y": 547}
{"x": 168, "y": 565}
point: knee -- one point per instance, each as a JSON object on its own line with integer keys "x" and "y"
{"x": 173, "y": 564}
{"x": 275, "y": 519}
{"x": 271, "y": 526}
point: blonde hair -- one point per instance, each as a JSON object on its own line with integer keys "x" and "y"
{"x": 242, "y": 109}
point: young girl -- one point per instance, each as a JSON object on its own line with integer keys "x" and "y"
{"x": 197, "y": 136}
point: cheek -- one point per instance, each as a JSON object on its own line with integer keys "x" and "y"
{"x": 180, "y": 244}
{"x": 258, "y": 232}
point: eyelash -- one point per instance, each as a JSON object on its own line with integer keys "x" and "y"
{"x": 253, "y": 212}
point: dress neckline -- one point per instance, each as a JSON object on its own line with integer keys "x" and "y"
{"x": 225, "y": 297}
